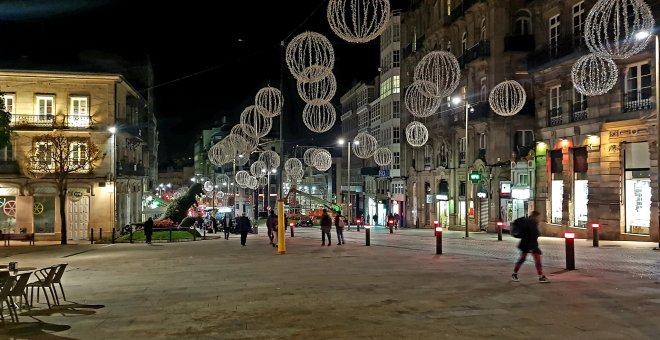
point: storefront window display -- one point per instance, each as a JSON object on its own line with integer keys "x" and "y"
{"x": 638, "y": 202}
{"x": 581, "y": 200}
{"x": 8, "y": 214}
{"x": 43, "y": 212}
{"x": 557, "y": 200}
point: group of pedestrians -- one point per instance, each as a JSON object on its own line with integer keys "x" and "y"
{"x": 326, "y": 227}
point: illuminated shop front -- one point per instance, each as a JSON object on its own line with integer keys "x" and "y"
{"x": 637, "y": 188}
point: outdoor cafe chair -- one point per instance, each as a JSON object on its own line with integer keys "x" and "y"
{"x": 45, "y": 278}
{"x": 20, "y": 289}
{"x": 58, "y": 280}
{"x": 5, "y": 299}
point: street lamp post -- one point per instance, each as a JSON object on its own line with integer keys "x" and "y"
{"x": 466, "y": 105}
{"x": 348, "y": 178}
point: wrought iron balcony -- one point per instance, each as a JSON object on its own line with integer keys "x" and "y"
{"x": 637, "y": 100}
{"x": 479, "y": 50}
{"x": 564, "y": 46}
{"x": 9, "y": 167}
{"x": 579, "y": 111}
{"x": 36, "y": 122}
{"x": 519, "y": 43}
{"x": 130, "y": 169}
{"x": 555, "y": 117}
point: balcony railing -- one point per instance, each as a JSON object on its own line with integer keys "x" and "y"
{"x": 555, "y": 117}
{"x": 579, "y": 111}
{"x": 479, "y": 50}
{"x": 8, "y": 167}
{"x": 22, "y": 121}
{"x": 563, "y": 47}
{"x": 130, "y": 169}
{"x": 637, "y": 100}
{"x": 519, "y": 43}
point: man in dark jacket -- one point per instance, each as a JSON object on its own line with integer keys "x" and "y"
{"x": 326, "y": 227}
{"x": 339, "y": 224}
{"x": 244, "y": 228}
{"x": 529, "y": 234}
{"x": 271, "y": 224}
{"x": 148, "y": 229}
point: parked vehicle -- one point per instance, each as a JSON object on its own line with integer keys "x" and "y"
{"x": 304, "y": 223}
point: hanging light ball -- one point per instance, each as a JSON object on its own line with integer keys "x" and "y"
{"x": 271, "y": 159}
{"x": 319, "y": 118}
{"x": 263, "y": 181}
{"x": 269, "y": 102}
{"x": 383, "y": 156}
{"x": 220, "y": 153}
{"x": 292, "y": 164}
{"x": 322, "y": 160}
{"x": 618, "y": 29}
{"x": 241, "y": 177}
{"x": 308, "y": 156}
{"x": 219, "y": 195}
{"x": 594, "y": 75}
{"x": 310, "y": 49}
{"x": 258, "y": 169}
{"x": 318, "y": 92}
{"x": 358, "y": 21}
{"x": 242, "y": 139}
{"x": 440, "y": 72}
{"x": 242, "y": 160}
{"x": 252, "y": 182}
{"x": 417, "y": 103}
{"x": 507, "y": 98}
{"x": 222, "y": 179}
{"x": 417, "y": 134}
{"x": 364, "y": 145}
{"x": 295, "y": 175}
{"x": 208, "y": 186}
{"x": 252, "y": 117}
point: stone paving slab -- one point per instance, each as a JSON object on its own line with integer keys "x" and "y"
{"x": 220, "y": 290}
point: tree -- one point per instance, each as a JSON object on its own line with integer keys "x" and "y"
{"x": 179, "y": 208}
{"x": 5, "y": 119}
{"x": 60, "y": 157}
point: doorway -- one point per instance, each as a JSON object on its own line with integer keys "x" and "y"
{"x": 77, "y": 214}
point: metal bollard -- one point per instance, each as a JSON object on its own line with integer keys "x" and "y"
{"x": 367, "y": 236}
{"x": 292, "y": 225}
{"x": 438, "y": 240}
{"x": 358, "y": 224}
{"x": 500, "y": 225}
{"x": 194, "y": 235}
{"x": 91, "y": 238}
{"x": 130, "y": 237}
{"x": 594, "y": 228}
{"x": 570, "y": 250}
{"x": 170, "y": 234}
{"x": 100, "y": 234}
{"x": 113, "y": 236}
{"x": 204, "y": 236}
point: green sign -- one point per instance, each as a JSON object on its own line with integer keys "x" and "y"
{"x": 475, "y": 177}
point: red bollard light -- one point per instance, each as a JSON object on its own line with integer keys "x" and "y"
{"x": 500, "y": 226}
{"x": 594, "y": 229}
{"x": 438, "y": 239}
{"x": 570, "y": 250}
{"x": 358, "y": 221}
{"x": 292, "y": 225}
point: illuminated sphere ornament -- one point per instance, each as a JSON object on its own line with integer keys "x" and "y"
{"x": 594, "y": 75}
{"x": 417, "y": 134}
{"x": 310, "y": 49}
{"x": 220, "y": 153}
{"x": 241, "y": 160}
{"x": 258, "y": 169}
{"x": 417, "y": 103}
{"x": 322, "y": 160}
{"x": 358, "y": 21}
{"x": 319, "y": 118}
{"x": 252, "y": 182}
{"x": 308, "y": 156}
{"x": 364, "y": 145}
{"x": 507, "y": 98}
{"x": 318, "y": 92}
{"x": 269, "y": 102}
{"x": 263, "y": 181}
{"x": 292, "y": 164}
{"x": 271, "y": 159}
{"x": 242, "y": 139}
{"x": 295, "y": 175}
{"x": 219, "y": 195}
{"x": 252, "y": 117}
{"x": 383, "y": 156}
{"x": 242, "y": 177}
{"x": 618, "y": 29}
{"x": 222, "y": 179}
{"x": 208, "y": 186}
{"x": 440, "y": 72}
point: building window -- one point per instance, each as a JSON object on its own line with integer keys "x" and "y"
{"x": 389, "y": 86}
{"x": 396, "y": 58}
{"x": 484, "y": 90}
{"x": 449, "y": 46}
{"x": 79, "y": 113}
{"x": 6, "y": 154}
{"x": 464, "y": 43}
{"x": 396, "y": 139}
{"x": 8, "y": 100}
{"x": 578, "y": 23}
{"x": 523, "y": 142}
{"x": 461, "y": 150}
{"x": 45, "y": 107}
{"x": 579, "y": 111}
{"x": 44, "y": 214}
{"x": 638, "y": 88}
{"x": 483, "y": 141}
{"x": 44, "y": 156}
{"x": 396, "y": 161}
{"x": 523, "y": 179}
{"x": 523, "y": 23}
{"x": 554, "y": 106}
{"x": 396, "y": 32}
{"x": 375, "y": 116}
{"x": 557, "y": 198}
{"x": 78, "y": 154}
{"x": 637, "y": 188}
{"x": 483, "y": 29}
{"x": 428, "y": 156}
{"x": 396, "y": 109}
{"x": 396, "y": 84}
{"x": 554, "y": 31}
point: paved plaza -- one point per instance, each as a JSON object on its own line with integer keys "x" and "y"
{"x": 395, "y": 289}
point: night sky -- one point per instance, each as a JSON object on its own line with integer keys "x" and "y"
{"x": 234, "y": 45}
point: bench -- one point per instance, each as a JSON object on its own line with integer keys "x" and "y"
{"x": 18, "y": 237}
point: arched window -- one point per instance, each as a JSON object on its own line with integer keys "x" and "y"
{"x": 483, "y": 29}
{"x": 523, "y": 23}
{"x": 428, "y": 156}
{"x": 484, "y": 90}
{"x": 464, "y": 43}
{"x": 442, "y": 158}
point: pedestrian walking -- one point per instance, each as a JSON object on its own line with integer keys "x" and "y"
{"x": 375, "y": 219}
{"x": 148, "y": 229}
{"x": 225, "y": 226}
{"x": 527, "y": 229}
{"x": 397, "y": 218}
{"x": 244, "y": 227}
{"x": 271, "y": 224}
{"x": 326, "y": 226}
{"x": 339, "y": 225}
